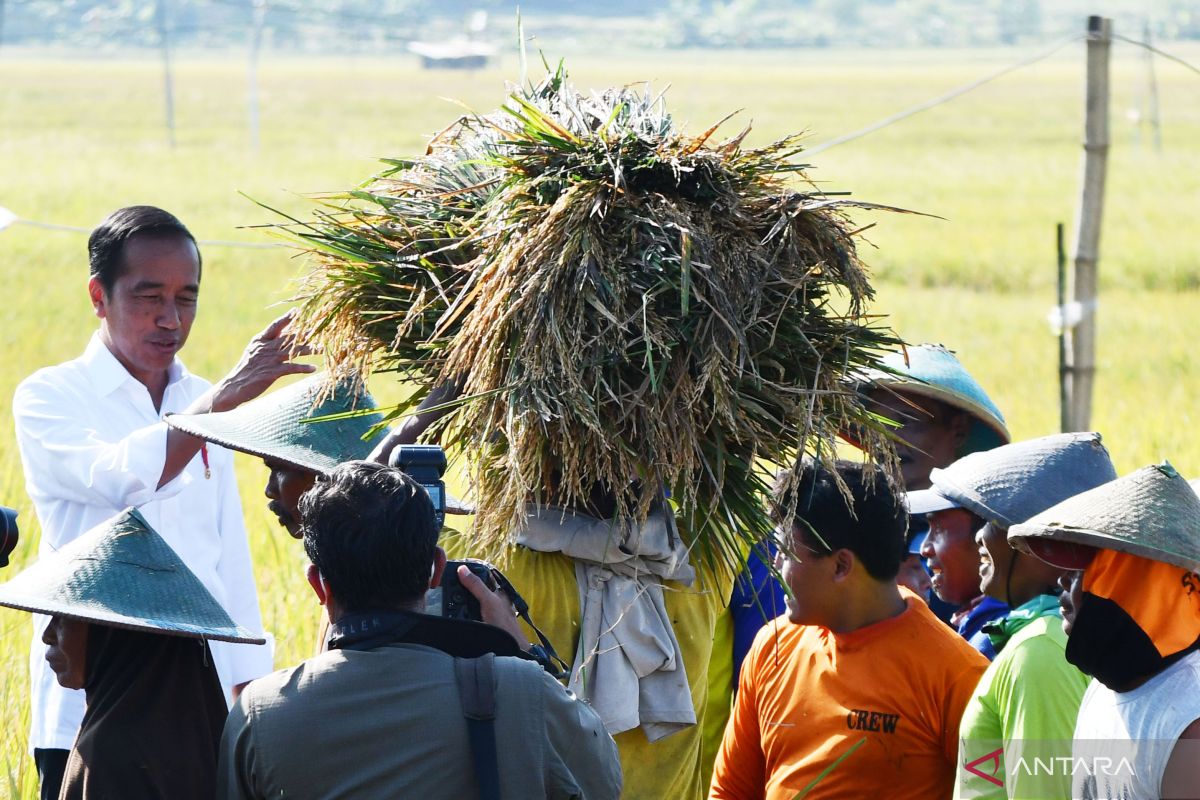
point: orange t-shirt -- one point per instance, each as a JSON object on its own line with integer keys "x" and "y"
{"x": 885, "y": 699}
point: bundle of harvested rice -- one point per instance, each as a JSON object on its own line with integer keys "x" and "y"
{"x": 623, "y": 306}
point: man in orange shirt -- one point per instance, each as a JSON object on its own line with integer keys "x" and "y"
{"x": 858, "y": 688}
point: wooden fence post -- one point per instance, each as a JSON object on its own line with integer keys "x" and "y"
{"x": 1064, "y": 360}
{"x": 164, "y": 40}
{"x": 1081, "y": 371}
{"x": 259, "y": 16}
{"x": 1151, "y": 89}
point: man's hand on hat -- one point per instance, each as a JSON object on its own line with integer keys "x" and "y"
{"x": 268, "y": 357}
{"x": 494, "y": 606}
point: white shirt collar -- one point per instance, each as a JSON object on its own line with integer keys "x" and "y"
{"x": 107, "y": 373}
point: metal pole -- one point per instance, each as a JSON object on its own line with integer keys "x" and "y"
{"x": 160, "y": 13}
{"x": 1082, "y": 370}
{"x": 260, "y": 13}
{"x": 1064, "y": 397}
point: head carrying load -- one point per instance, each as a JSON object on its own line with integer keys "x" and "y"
{"x": 625, "y": 307}
{"x": 932, "y": 371}
{"x": 291, "y": 424}
{"x": 121, "y": 573}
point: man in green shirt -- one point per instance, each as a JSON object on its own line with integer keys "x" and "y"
{"x": 1021, "y": 717}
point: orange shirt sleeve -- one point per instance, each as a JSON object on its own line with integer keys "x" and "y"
{"x": 960, "y": 690}
{"x": 740, "y": 769}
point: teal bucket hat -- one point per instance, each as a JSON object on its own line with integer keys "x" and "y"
{"x": 121, "y": 573}
{"x": 285, "y": 425}
{"x": 931, "y": 370}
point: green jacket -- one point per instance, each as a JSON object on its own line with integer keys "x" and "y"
{"x": 1021, "y": 717}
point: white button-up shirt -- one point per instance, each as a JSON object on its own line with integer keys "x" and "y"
{"x": 92, "y": 445}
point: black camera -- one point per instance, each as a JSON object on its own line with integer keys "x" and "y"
{"x": 456, "y": 601}
{"x": 9, "y": 533}
{"x": 425, "y": 464}
{"x": 452, "y": 600}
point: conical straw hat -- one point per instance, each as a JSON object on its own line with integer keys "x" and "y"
{"x": 1012, "y": 483}
{"x": 121, "y": 573}
{"x": 280, "y": 425}
{"x": 931, "y": 370}
{"x": 1152, "y": 513}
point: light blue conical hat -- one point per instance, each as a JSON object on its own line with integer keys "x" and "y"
{"x": 1010, "y": 484}
{"x": 931, "y": 370}
{"x": 121, "y": 573}
{"x": 285, "y": 424}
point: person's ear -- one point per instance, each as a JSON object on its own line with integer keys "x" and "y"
{"x": 843, "y": 564}
{"x": 439, "y": 566}
{"x": 98, "y": 296}
{"x": 319, "y": 587}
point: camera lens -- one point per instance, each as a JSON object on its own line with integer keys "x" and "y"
{"x": 8, "y": 533}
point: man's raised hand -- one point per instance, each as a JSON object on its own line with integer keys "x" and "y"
{"x": 268, "y": 357}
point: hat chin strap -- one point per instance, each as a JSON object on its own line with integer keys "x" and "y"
{"x": 1012, "y": 567}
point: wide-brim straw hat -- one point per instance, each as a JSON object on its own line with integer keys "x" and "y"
{"x": 1009, "y": 484}
{"x": 931, "y": 370}
{"x": 1152, "y": 513}
{"x": 286, "y": 425}
{"x": 121, "y": 573}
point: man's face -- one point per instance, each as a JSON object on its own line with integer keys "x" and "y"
{"x": 67, "y": 651}
{"x": 950, "y": 551}
{"x": 285, "y": 486}
{"x": 1072, "y": 594}
{"x": 913, "y": 576}
{"x": 149, "y": 311}
{"x": 995, "y": 560}
{"x": 806, "y": 574}
{"x": 930, "y": 433}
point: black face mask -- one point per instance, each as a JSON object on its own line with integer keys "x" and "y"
{"x": 1106, "y": 643}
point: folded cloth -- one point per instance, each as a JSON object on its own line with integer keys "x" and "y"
{"x": 628, "y": 664}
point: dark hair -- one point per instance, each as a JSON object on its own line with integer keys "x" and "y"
{"x": 370, "y": 530}
{"x": 106, "y": 245}
{"x": 872, "y": 525}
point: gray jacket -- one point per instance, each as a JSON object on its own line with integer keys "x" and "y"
{"x": 387, "y": 723}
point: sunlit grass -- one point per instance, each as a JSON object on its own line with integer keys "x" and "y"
{"x": 83, "y": 137}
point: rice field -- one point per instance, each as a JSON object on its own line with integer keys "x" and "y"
{"x": 997, "y": 169}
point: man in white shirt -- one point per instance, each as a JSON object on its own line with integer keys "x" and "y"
{"x": 1131, "y": 612}
{"x": 93, "y": 442}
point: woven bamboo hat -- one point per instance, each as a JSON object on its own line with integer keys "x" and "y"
{"x": 1010, "y": 484}
{"x": 121, "y": 573}
{"x": 284, "y": 425}
{"x": 930, "y": 370}
{"x": 1152, "y": 513}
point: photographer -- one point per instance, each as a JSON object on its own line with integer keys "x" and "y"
{"x": 384, "y": 713}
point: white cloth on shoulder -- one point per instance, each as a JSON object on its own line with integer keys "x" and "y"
{"x": 628, "y": 665}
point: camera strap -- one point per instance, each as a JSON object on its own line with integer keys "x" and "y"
{"x": 459, "y": 638}
{"x": 477, "y": 693}
{"x": 474, "y": 646}
{"x": 544, "y": 653}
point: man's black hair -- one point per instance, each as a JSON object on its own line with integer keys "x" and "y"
{"x": 370, "y": 531}
{"x": 106, "y": 245}
{"x": 872, "y": 526}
